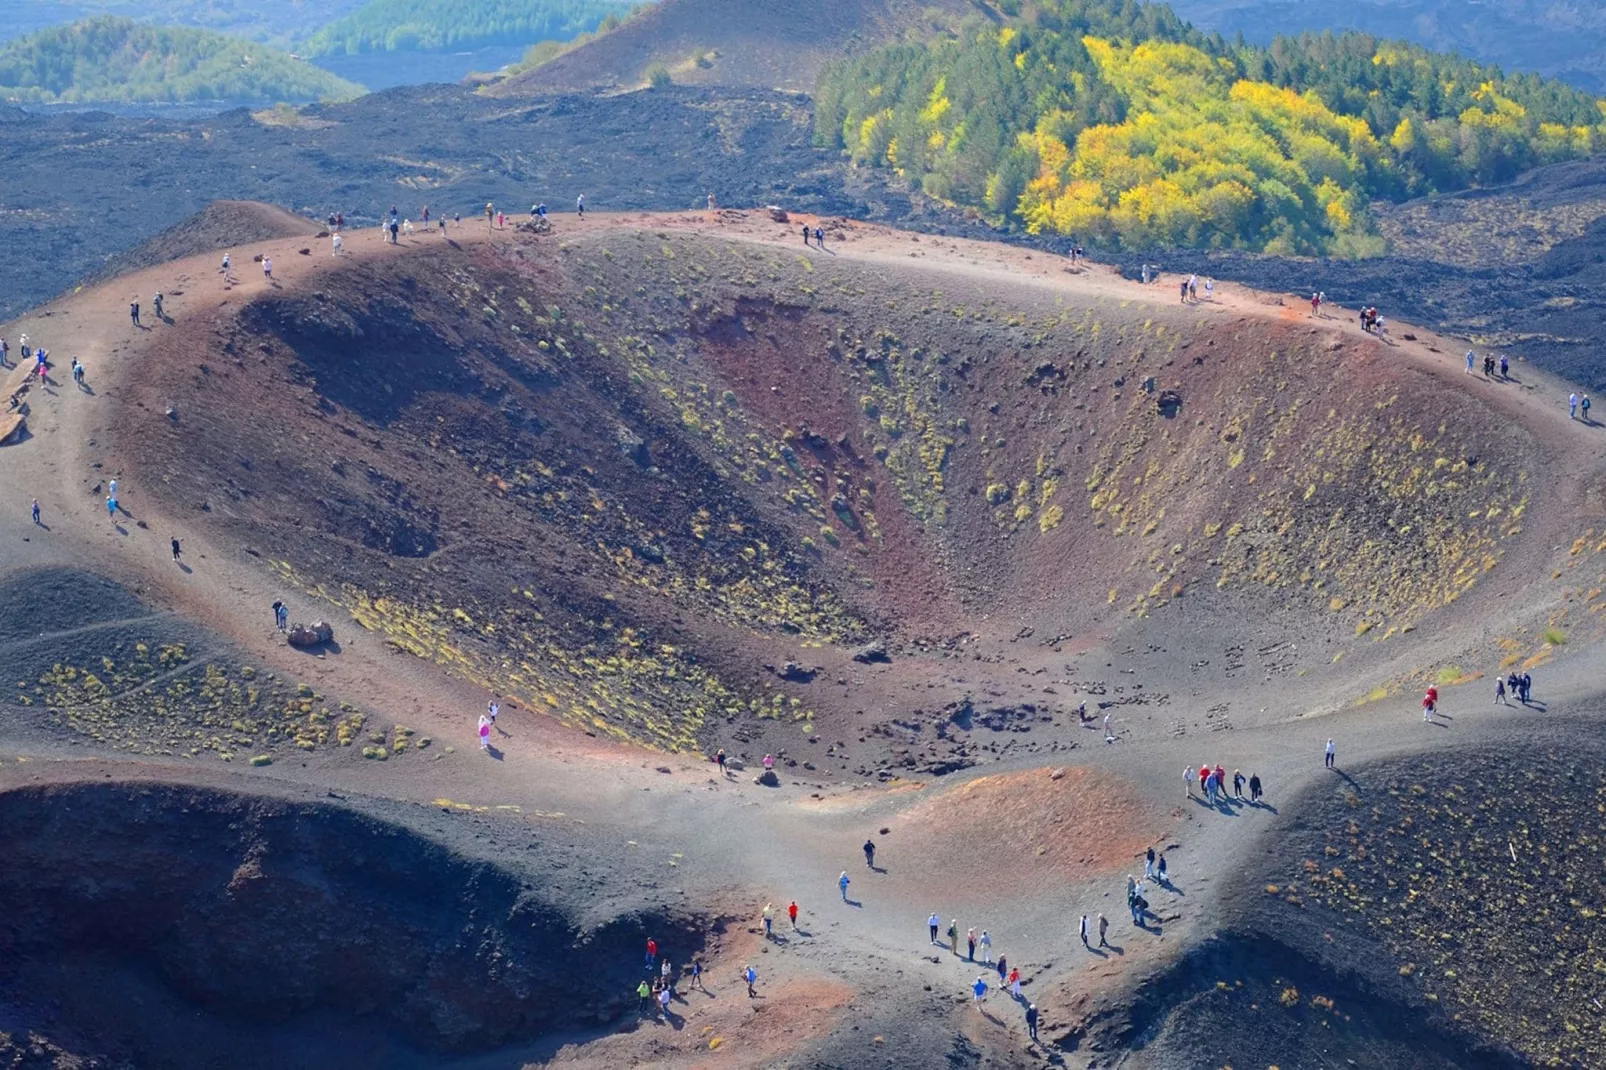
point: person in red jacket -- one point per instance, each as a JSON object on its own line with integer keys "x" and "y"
{"x": 652, "y": 951}
{"x": 791, "y": 912}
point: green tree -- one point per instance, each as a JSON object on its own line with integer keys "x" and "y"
{"x": 120, "y": 61}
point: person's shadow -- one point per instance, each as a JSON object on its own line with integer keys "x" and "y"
{"x": 1117, "y": 948}
{"x": 1100, "y": 952}
{"x": 1347, "y": 779}
{"x": 495, "y": 752}
{"x": 853, "y": 902}
{"x": 804, "y": 933}
{"x": 1259, "y": 804}
{"x": 85, "y": 388}
{"x": 878, "y": 869}
{"x": 187, "y": 570}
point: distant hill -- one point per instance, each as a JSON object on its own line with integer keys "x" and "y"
{"x": 115, "y": 60}
{"x": 281, "y": 22}
{"x": 1562, "y": 40}
{"x": 760, "y": 43}
{"x": 436, "y": 25}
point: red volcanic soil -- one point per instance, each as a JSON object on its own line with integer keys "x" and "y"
{"x": 1054, "y": 826}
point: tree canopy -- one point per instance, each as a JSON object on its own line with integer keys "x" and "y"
{"x": 438, "y": 25}
{"x": 114, "y": 60}
{"x": 1117, "y": 122}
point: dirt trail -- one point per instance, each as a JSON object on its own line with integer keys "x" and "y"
{"x": 737, "y": 839}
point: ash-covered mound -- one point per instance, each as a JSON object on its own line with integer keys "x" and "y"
{"x": 184, "y": 927}
{"x": 220, "y": 226}
{"x": 760, "y": 43}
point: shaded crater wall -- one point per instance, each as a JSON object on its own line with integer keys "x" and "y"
{"x": 259, "y": 910}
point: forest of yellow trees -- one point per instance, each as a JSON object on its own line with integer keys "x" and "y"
{"x": 1122, "y": 125}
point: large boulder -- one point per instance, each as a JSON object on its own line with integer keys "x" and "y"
{"x": 315, "y": 634}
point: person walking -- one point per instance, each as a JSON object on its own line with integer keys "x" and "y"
{"x": 750, "y": 975}
{"x": 1082, "y": 930}
{"x": 1031, "y": 1020}
{"x": 869, "y": 853}
{"x": 1331, "y": 754}
{"x": 791, "y": 912}
{"x": 133, "y": 312}
{"x": 652, "y": 952}
{"x": 1148, "y": 865}
{"x": 492, "y": 709}
{"x": 485, "y": 732}
{"x": 1500, "y": 692}
{"x": 697, "y": 974}
{"x": 1003, "y": 968}
{"x": 5, "y": 352}
{"x": 177, "y": 552}
{"x": 1014, "y": 982}
{"x": 1427, "y": 709}
{"x": 933, "y": 923}
{"x": 805, "y": 233}
{"x": 986, "y": 948}
{"x": 644, "y": 993}
{"x": 1471, "y": 357}
{"x": 1237, "y": 785}
{"x": 1505, "y": 367}
{"x": 842, "y": 882}
{"x": 36, "y": 513}
{"x": 111, "y": 509}
{"x": 1160, "y": 870}
{"x": 1104, "y": 928}
{"x": 819, "y": 237}
{"x": 337, "y": 243}
{"x": 580, "y": 206}
{"x": 1583, "y": 408}
{"x": 769, "y": 920}
{"x": 1187, "y": 780}
{"x": 278, "y": 618}
{"x": 720, "y": 758}
{"x": 979, "y": 988}
{"x": 970, "y": 942}
{"x": 953, "y": 936}
{"x": 1527, "y": 686}
{"x": 664, "y": 995}
{"x": 1572, "y": 404}
{"x": 1254, "y": 787}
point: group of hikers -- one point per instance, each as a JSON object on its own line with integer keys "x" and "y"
{"x": 1490, "y": 366}
{"x": 41, "y": 365}
{"x": 657, "y": 988}
{"x": 1518, "y": 685}
{"x": 392, "y": 225}
{"x": 1213, "y": 786}
{"x": 1372, "y": 323}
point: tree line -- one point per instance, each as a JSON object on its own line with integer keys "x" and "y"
{"x": 439, "y": 25}
{"x": 117, "y": 59}
{"x": 1117, "y": 122}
